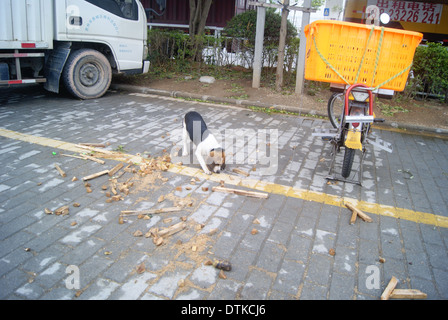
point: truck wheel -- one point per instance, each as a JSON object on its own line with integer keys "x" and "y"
{"x": 87, "y": 74}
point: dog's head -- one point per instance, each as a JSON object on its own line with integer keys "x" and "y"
{"x": 217, "y": 161}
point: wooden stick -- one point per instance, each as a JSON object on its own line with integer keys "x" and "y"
{"x": 389, "y": 289}
{"x": 61, "y": 172}
{"x": 95, "y": 175}
{"x": 241, "y": 192}
{"x": 172, "y": 229}
{"x": 236, "y": 170}
{"x": 407, "y": 294}
{"x": 95, "y": 145}
{"x": 94, "y": 149}
{"x": 115, "y": 169}
{"x": 361, "y": 214}
{"x": 353, "y": 218}
{"x": 84, "y": 157}
{"x": 153, "y": 211}
{"x": 93, "y": 159}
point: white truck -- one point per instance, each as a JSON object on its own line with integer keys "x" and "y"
{"x": 80, "y": 43}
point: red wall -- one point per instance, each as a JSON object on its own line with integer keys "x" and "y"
{"x": 178, "y": 12}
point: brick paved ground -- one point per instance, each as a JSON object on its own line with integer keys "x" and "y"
{"x": 288, "y": 258}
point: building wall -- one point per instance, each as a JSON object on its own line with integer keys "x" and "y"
{"x": 178, "y": 12}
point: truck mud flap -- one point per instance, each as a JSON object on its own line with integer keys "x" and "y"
{"x": 54, "y": 66}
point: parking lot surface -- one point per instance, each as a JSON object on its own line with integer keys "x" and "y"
{"x": 295, "y": 243}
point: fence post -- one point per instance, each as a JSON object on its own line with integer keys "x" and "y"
{"x": 300, "y": 77}
{"x": 259, "y": 35}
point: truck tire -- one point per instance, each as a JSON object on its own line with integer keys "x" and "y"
{"x": 87, "y": 74}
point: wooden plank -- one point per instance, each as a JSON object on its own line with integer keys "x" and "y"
{"x": 166, "y": 232}
{"x": 93, "y": 159}
{"x": 389, "y": 289}
{"x": 94, "y": 149}
{"x": 95, "y": 145}
{"x": 361, "y": 214}
{"x": 115, "y": 169}
{"x": 407, "y": 294}
{"x": 84, "y": 157}
{"x": 244, "y": 173}
{"x": 95, "y": 175}
{"x": 152, "y": 211}
{"x": 61, "y": 172}
{"x": 353, "y": 218}
{"x": 242, "y": 192}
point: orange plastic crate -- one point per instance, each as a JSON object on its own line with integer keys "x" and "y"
{"x": 344, "y": 44}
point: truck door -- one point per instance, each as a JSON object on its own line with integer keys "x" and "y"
{"x": 118, "y": 23}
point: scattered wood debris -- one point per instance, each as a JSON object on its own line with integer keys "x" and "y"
{"x": 391, "y": 293}
{"x": 242, "y": 192}
{"x": 356, "y": 212}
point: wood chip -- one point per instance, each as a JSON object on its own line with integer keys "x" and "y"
{"x": 141, "y": 268}
{"x": 158, "y": 241}
{"x": 138, "y": 233}
{"x": 64, "y": 210}
{"x": 222, "y": 275}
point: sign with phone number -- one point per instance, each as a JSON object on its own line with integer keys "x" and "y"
{"x": 407, "y": 11}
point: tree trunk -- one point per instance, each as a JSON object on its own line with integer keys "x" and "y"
{"x": 281, "y": 47}
{"x": 199, "y": 10}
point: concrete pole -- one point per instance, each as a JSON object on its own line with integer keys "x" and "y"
{"x": 300, "y": 77}
{"x": 259, "y": 36}
{"x": 281, "y": 47}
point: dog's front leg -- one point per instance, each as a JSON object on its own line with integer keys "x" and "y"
{"x": 201, "y": 160}
{"x": 186, "y": 139}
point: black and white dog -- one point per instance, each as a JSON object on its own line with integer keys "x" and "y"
{"x": 210, "y": 154}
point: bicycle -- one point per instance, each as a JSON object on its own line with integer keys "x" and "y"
{"x": 332, "y": 56}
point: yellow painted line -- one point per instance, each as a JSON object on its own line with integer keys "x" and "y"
{"x": 263, "y": 186}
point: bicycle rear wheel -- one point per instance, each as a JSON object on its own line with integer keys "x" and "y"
{"x": 335, "y": 108}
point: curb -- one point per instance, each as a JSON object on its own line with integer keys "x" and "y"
{"x": 248, "y": 103}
